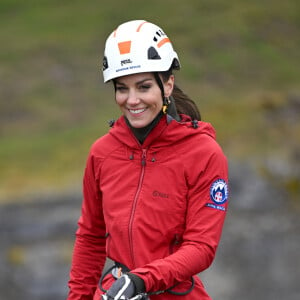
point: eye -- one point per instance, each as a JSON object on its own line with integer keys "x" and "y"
{"x": 145, "y": 87}
{"x": 121, "y": 88}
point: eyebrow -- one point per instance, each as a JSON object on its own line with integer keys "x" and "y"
{"x": 137, "y": 83}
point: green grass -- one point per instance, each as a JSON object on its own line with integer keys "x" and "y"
{"x": 238, "y": 58}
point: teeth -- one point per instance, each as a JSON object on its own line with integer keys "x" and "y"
{"x": 137, "y": 111}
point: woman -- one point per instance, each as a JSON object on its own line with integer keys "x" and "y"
{"x": 155, "y": 187}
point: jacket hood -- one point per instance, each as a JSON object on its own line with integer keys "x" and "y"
{"x": 165, "y": 133}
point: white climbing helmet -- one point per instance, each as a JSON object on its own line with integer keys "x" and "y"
{"x": 135, "y": 47}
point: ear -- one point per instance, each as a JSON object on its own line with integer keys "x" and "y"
{"x": 168, "y": 86}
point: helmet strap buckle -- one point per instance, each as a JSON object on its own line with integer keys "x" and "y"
{"x": 166, "y": 102}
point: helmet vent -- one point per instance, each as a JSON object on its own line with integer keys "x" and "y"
{"x": 104, "y": 63}
{"x": 153, "y": 54}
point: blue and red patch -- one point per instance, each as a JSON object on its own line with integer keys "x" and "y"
{"x": 218, "y": 194}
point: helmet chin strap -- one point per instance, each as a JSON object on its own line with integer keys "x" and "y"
{"x": 166, "y": 101}
{"x": 168, "y": 106}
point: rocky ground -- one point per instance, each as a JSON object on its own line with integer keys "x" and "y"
{"x": 258, "y": 257}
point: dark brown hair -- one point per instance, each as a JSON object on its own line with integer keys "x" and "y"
{"x": 184, "y": 104}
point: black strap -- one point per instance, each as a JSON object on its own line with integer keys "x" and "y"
{"x": 170, "y": 290}
{"x": 102, "y": 277}
{"x": 124, "y": 269}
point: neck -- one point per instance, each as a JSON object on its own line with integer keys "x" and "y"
{"x": 142, "y": 133}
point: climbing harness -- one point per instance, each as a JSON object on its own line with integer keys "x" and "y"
{"x": 118, "y": 269}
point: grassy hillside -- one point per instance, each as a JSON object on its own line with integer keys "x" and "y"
{"x": 240, "y": 62}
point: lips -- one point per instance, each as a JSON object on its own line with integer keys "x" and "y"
{"x": 137, "y": 111}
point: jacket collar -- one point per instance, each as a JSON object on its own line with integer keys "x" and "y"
{"x": 165, "y": 133}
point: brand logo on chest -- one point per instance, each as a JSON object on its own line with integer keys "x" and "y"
{"x": 160, "y": 194}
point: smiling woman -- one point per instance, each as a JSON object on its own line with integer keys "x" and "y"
{"x": 139, "y": 97}
{"x": 151, "y": 202}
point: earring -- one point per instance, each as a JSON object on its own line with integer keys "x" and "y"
{"x": 166, "y": 103}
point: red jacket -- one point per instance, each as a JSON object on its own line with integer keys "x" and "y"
{"x": 158, "y": 208}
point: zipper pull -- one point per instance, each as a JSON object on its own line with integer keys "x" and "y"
{"x": 144, "y": 157}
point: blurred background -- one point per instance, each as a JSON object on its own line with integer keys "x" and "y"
{"x": 240, "y": 63}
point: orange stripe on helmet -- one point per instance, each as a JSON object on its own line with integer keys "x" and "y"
{"x": 140, "y": 26}
{"x": 124, "y": 47}
{"x": 163, "y": 41}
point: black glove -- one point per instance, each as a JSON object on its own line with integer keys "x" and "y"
{"x": 128, "y": 285}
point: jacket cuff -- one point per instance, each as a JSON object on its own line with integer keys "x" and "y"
{"x": 138, "y": 282}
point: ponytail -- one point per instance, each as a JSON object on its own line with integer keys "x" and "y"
{"x": 184, "y": 104}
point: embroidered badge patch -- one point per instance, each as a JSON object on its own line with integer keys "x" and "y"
{"x": 219, "y": 191}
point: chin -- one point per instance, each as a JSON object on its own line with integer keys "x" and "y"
{"x": 138, "y": 124}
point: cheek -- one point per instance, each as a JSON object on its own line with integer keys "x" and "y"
{"x": 159, "y": 104}
{"x": 158, "y": 101}
{"x": 120, "y": 100}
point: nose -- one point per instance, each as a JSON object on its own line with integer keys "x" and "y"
{"x": 132, "y": 98}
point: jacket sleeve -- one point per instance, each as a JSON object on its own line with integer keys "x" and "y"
{"x": 204, "y": 223}
{"x": 89, "y": 249}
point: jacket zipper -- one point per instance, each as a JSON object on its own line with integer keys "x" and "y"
{"x": 143, "y": 163}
